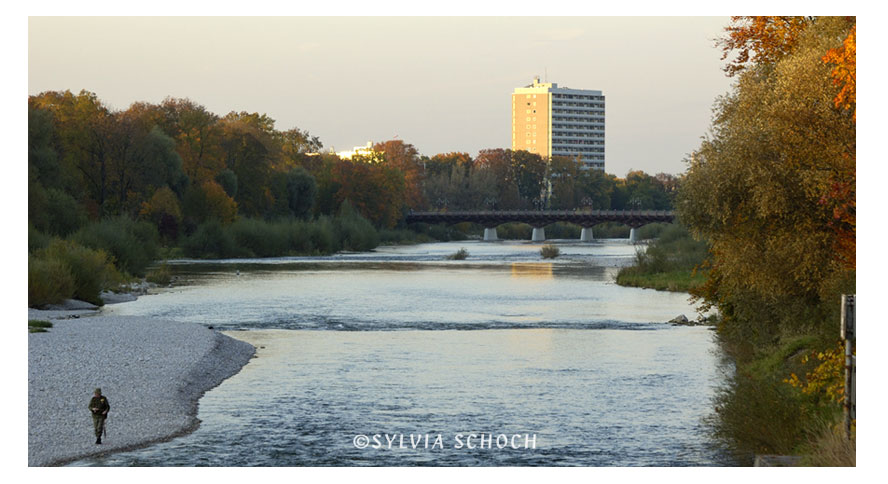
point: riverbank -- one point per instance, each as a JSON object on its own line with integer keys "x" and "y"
{"x": 673, "y": 281}
{"x": 671, "y": 262}
{"x": 152, "y": 371}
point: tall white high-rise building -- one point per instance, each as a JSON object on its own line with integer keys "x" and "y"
{"x": 559, "y": 121}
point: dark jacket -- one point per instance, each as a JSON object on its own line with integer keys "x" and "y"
{"x": 99, "y": 405}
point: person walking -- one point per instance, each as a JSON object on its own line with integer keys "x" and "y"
{"x": 99, "y": 407}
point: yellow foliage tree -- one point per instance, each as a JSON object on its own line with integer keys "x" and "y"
{"x": 163, "y": 202}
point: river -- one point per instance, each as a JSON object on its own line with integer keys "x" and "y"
{"x": 400, "y": 357}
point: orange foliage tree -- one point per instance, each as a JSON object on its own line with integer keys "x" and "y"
{"x": 760, "y": 39}
{"x": 845, "y": 72}
{"x": 377, "y": 191}
{"x": 405, "y": 157}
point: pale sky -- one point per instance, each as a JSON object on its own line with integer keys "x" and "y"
{"x": 440, "y": 83}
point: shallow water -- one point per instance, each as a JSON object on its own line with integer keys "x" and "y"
{"x": 434, "y": 362}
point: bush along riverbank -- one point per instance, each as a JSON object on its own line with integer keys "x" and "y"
{"x": 114, "y": 253}
{"x": 672, "y": 262}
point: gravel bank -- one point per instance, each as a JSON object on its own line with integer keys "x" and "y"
{"x": 153, "y": 373}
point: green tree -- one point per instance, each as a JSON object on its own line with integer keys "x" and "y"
{"x": 247, "y": 141}
{"x": 530, "y": 174}
{"x": 498, "y": 163}
{"x": 228, "y": 180}
{"x": 301, "y": 192}
{"x": 42, "y": 156}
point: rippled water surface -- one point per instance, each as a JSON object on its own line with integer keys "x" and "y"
{"x": 401, "y": 345}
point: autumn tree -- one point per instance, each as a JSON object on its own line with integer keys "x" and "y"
{"x": 759, "y": 189}
{"x": 445, "y": 163}
{"x": 295, "y": 144}
{"x": 82, "y": 123}
{"x": 498, "y": 163}
{"x": 376, "y": 190}
{"x": 164, "y": 211}
{"x": 208, "y": 201}
{"x": 760, "y": 40}
{"x": 405, "y": 157}
{"x": 197, "y": 134}
{"x": 842, "y": 194}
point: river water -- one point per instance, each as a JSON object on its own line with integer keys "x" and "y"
{"x": 400, "y": 357}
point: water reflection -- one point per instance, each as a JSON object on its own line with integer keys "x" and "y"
{"x": 535, "y": 270}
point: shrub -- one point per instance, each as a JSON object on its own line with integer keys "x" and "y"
{"x": 49, "y": 282}
{"x": 91, "y": 269}
{"x": 550, "y": 252}
{"x": 322, "y": 235}
{"x": 133, "y": 245}
{"x": 461, "y": 254}
{"x": 353, "y": 231}
{"x": 53, "y": 211}
{"x": 758, "y": 415}
{"x": 260, "y": 238}
{"x": 161, "y": 275}
{"x": 299, "y": 237}
{"x": 211, "y": 241}
{"x": 652, "y": 231}
{"x": 65, "y": 214}
{"x": 36, "y": 239}
{"x": 38, "y": 326}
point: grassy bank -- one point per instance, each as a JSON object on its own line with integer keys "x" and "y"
{"x": 669, "y": 263}
{"x": 675, "y": 281}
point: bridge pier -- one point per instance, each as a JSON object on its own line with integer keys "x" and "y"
{"x": 586, "y": 235}
{"x": 539, "y": 234}
{"x": 490, "y": 234}
{"x": 633, "y": 237}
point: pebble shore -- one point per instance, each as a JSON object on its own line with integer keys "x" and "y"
{"x": 153, "y": 373}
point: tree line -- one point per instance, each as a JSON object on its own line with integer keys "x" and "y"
{"x": 176, "y": 165}
{"x": 111, "y": 191}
